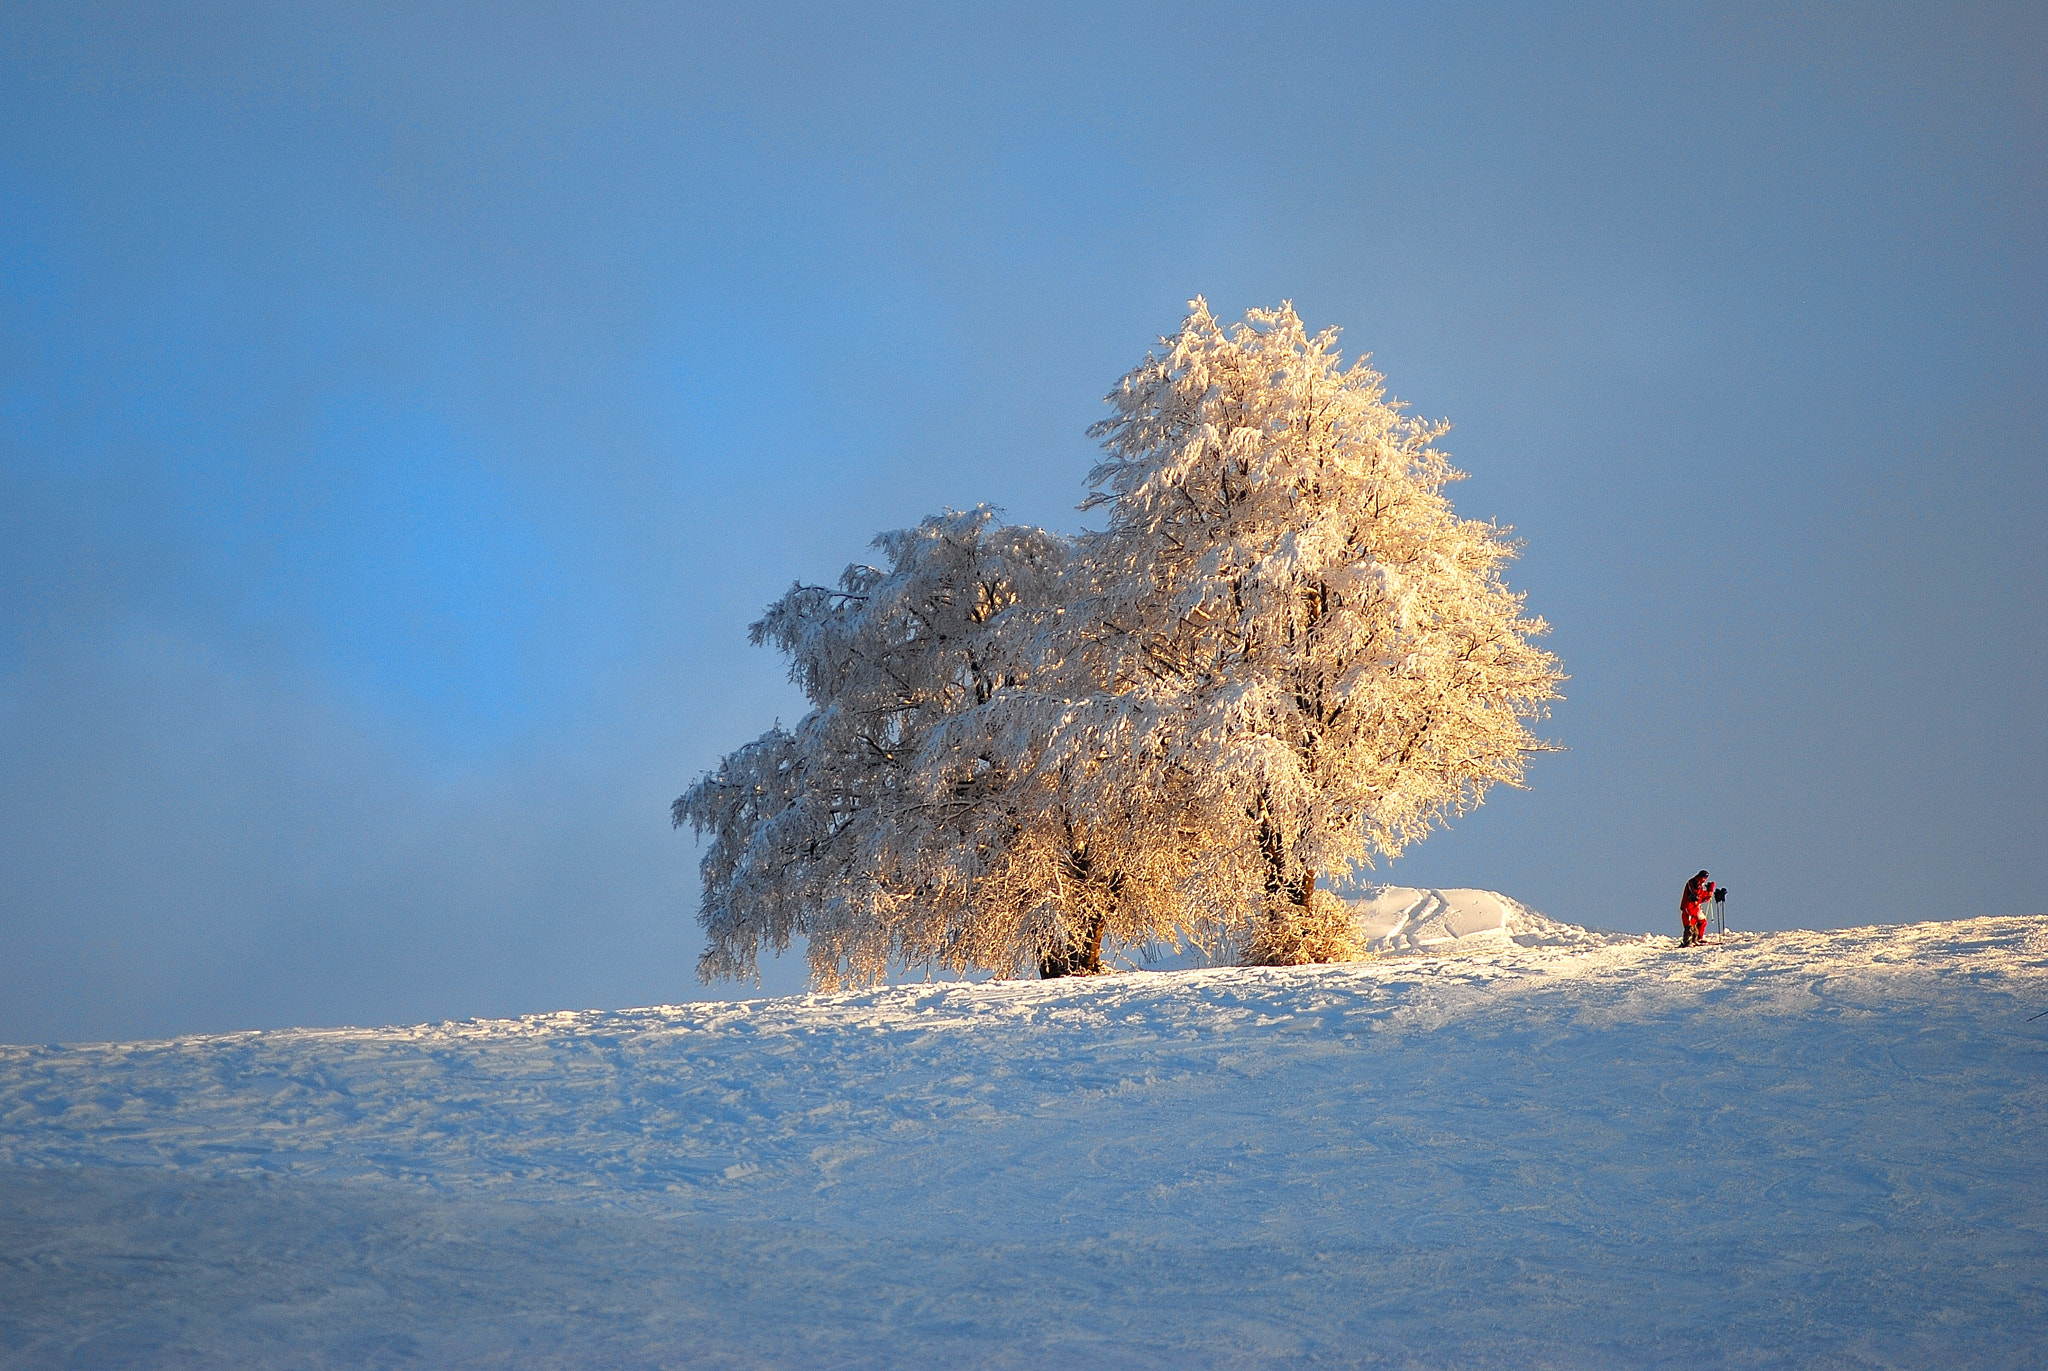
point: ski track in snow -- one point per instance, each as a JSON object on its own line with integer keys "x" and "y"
{"x": 1545, "y": 1147}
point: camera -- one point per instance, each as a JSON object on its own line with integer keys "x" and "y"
{"x": 1720, "y": 894}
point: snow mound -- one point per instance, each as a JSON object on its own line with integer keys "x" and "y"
{"x": 1393, "y": 919}
{"x": 1396, "y": 920}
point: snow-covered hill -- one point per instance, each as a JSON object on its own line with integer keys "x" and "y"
{"x": 1551, "y": 1148}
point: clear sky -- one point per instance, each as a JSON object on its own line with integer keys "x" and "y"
{"x": 404, "y": 410}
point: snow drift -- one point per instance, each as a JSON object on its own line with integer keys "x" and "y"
{"x": 1398, "y": 920}
{"x": 1392, "y": 919}
{"x": 1548, "y": 1147}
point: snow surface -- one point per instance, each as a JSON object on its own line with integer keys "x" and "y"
{"x": 1529, "y": 1146}
{"x": 1395, "y": 918}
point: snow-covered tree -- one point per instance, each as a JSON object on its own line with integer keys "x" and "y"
{"x": 1290, "y": 613}
{"x": 1283, "y": 655}
{"x": 826, "y": 830}
{"x": 916, "y": 816}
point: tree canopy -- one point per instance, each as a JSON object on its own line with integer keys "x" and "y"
{"x": 1283, "y": 655}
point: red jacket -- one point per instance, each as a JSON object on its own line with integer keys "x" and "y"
{"x": 1695, "y": 896}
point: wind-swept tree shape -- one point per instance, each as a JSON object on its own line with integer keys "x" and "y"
{"x": 1283, "y": 655}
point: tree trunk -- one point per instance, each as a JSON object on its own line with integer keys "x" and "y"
{"x": 1287, "y": 939}
{"x": 1080, "y": 951}
{"x": 1079, "y": 955}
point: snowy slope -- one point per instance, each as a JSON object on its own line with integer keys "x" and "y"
{"x": 1549, "y": 1148}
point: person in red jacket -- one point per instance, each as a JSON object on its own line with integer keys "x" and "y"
{"x": 1692, "y": 909}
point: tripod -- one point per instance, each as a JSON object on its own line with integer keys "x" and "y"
{"x": 1720, "y": 914}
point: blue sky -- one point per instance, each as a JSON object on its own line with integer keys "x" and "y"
{"x": 403, "y": 412}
